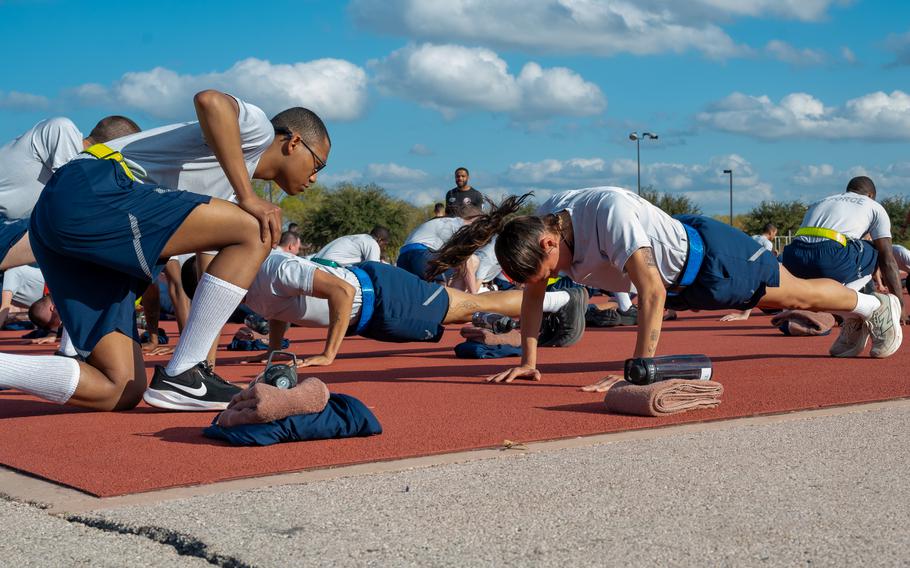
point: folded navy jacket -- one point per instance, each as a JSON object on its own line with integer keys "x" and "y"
{"x": 253, "y": 345}
{"x": 18, "y": 325}
{"x": 475, "y": 350}
{"x": 343, "y": 417}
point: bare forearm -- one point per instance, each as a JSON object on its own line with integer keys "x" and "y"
{"x": 892, "y": 278}
{"x": 340, "y": 306}
{"x": 650, "y": 321}
{"x": 277, "y": 329}
{"x": 531, "y": 316}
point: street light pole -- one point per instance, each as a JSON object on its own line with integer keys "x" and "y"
{"x": 731, "y": 195}
{"x": 634, "y": 136}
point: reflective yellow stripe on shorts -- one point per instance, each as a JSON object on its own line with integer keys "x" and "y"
{"x": 823, "y": 233}
{"x": 104, "y": 152}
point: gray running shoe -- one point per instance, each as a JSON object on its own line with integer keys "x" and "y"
{"x": 885, "y": 326}
{"x": 854, "y": 335}
{"x": 566, "y": 326}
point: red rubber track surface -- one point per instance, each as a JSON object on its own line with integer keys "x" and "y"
{"x": 429, "y": 402}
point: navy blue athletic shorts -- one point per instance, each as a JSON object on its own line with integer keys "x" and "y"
{"x": 11, "y": 230}
{"x": 830, "y": 259}
{"x": 417, "y": 260}
{"x": 734, "y": 273}
{"x": 97, "y": 236}
{"x": 405, "y": 307}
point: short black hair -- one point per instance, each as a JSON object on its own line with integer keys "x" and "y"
{"x": 862, "y": 185}
{"x": 39, "y": 313}
{"x": 293, "y": 227}
{"x": 463, "y": 210}
{"x": 381, "y": 233}
{"x": 768, "y": 227}
{"x": 303, "y": 122}
{"x": 288, "y": 238}
{"x": 439, "y": 207}
{"x": 111, "y": 127}
{"x": 459, "y": 168}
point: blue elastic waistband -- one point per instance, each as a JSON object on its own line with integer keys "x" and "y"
{"x": 367, "y": 298}
{"x": 412, "y": 246}
{"x": 694, "y": 258}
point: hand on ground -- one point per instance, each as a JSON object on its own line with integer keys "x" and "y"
{"x": 49, "y": 340}
{"x": 157, "y": 349}
{"x": 736, "y": 316}
{"x": 316, "y": 361}
{"x": 603, "y": 385}
{"x": 524, "y": 373}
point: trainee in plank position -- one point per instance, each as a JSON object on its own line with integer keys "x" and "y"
{"x": 382, "y": 302}
{"x": 610, "y": 238}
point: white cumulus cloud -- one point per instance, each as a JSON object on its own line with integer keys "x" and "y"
{"x": 597, "y": 27}
{"x": 16, "y": 100}
{"x": 875, "y": 116}
{"x": 892, "y": 178}
{"x": 452, "y": 78}
{"x": 333, "y": 88}
{"x": 783, "y": 51}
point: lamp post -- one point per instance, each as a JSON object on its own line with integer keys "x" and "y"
{"x": 634, "y": 136}
{"x": 731, "y": 195}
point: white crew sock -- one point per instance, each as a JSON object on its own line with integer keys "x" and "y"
{"x": 52, "y": 378}
{"x": 66, "y": 345}
{"x": 866, "y": 304}
{"x": 214, "y": 302}
{"x": 624, "y": 301}
{"x": 554, "y": 301}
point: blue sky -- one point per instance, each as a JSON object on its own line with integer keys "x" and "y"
{"x": 796, "y": 96}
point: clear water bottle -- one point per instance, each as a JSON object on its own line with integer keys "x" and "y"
{"x": 497, "y": 323}
{"x": 647, "y": 370}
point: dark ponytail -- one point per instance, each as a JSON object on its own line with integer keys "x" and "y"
{"x": 469, "y": 238}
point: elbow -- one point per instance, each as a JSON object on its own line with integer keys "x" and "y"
{"x": 207, "y": 98}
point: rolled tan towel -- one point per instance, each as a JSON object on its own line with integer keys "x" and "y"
{"x": 487, "y": 337}
{"x": 663, "y": 397}
{"x": 803, "y": 322}
{"x": 262, "y": 402}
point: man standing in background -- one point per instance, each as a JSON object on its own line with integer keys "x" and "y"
{"x": 463, "y": 193}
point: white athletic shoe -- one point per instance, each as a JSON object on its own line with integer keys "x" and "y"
{"x": 854, "y": 335}
{"x": 885, "y": 325}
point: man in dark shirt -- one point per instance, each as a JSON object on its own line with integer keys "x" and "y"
{"x": 463, "y": 193}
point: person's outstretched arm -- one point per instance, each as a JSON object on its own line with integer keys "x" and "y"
{"x": 218, "y": 114}
{"x": 888, "y": 266}
{"x": 652, "y": 295}
{"x": 340, "y": 295}
{"x": 531, "y": 315}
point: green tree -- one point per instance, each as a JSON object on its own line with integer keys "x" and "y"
{"x": 671, "y": 204}
{"x": 786, "y": 215}
{"x": 897, "y": 207}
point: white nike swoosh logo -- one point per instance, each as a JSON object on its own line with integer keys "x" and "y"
{"x": 189, "y": 390}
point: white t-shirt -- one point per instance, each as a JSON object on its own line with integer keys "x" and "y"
{"x": 764, "y": 241}
{"x": 26, "y": 283}
{"x": 177, "y": 157}
{"x": 351, "y": 249}
{"x": 902, "y": 256}
{"x": 610, "y": 224}
{"x": 436, "y": 232}
{"x": 851, "y": 214}
{"x": 29, "y": 161}
{"x": 488, "y": 267}
{"x": 282, "y": 288}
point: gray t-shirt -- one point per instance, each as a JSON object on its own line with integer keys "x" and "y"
{"x": 351, "y": 249}
{"x": 902, "y": 256}
{"x": 436, "y": 232}
{"x": 29, "y": 161}
{"x": 610, "y": 224}
{"x": 850, "y": 214}
{"x": 26, "y": 283}
{"x": 283, "y": 286}
{"x": 177, "y": 157}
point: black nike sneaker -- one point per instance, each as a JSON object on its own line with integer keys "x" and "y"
{"x": 566, "y": 326}
{"x": 197, "y": 388}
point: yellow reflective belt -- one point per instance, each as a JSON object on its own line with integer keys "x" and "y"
{"x": 104, "y": 152}
{"x": 823, "y": 233}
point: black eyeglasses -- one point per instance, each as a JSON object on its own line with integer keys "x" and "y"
{"x": 319, "y": 162}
